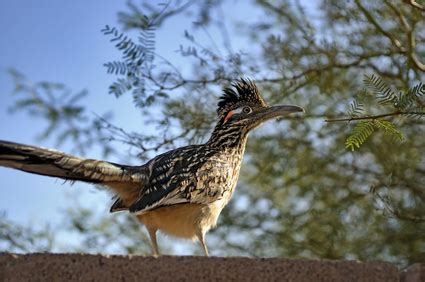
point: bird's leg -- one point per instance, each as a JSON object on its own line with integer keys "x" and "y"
{"x": 154, "y": 243}
{"x": 201, "y": 238}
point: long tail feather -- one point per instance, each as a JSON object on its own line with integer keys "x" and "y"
{"x": 126, "y": 181}
{"x": 57, "y": 164}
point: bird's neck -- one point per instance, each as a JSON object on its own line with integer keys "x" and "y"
{"x": 227, "y": 138}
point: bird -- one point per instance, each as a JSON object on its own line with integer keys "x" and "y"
{"x": 180, "y": 192}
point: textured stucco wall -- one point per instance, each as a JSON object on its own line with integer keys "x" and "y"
{"x": 83, "y": 267}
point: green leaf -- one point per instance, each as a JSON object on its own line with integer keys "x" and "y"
{"x": 380, "y": 89}
{"x": 364, "y": 129}
{"x": 355, "y": 109}
{"x": 137, "y": 59}
{"x": 410, "y": 99}
{"x": 389, "y": 129}
{"x": 359, "y": 135}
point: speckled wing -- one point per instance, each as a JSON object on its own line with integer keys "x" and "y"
{"x": 186, "y": 175}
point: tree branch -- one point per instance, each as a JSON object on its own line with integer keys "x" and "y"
{"x": 375, "y": 117}
{"x": 373, "y": 21}
{"x": 416, "y": 5}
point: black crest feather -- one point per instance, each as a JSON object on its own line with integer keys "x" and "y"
{"x": 243, "y": 92}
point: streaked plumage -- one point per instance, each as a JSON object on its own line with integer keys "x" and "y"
{"x": 180, "y": 192}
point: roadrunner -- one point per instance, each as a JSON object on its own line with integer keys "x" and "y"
{"x": 180, "y": 192}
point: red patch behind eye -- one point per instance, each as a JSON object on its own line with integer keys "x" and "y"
{"x": 229, "y": 115}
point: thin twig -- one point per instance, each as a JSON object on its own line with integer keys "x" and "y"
{"x": 375, "y": 117}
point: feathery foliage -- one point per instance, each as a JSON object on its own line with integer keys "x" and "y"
{"x": 389, "y": 128}
{"x": 364, "y": 129}
{"x": 408, "y": 104}
{"x": 378, "y": 87}
{"x": 359, "y": 134}
{"x": 355, "y": 109}
{"x": 137, "y": 61}
{"x": 412, "y": 101}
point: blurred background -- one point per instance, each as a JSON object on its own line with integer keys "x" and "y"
{"x": 127, "y": 81}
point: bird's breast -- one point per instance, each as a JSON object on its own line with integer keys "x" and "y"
{"x": 216, "y": 179}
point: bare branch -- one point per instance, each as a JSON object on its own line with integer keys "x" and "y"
{"x": 416, "y": 4}
{"x": 373, "y": 21}
{"x": 375, "y": 117}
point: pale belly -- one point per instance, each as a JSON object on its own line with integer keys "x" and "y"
{"x": 184, "y": 220}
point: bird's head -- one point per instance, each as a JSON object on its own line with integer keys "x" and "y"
{"x": 241, "y": 106}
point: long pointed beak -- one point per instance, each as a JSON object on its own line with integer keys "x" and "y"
{"x": 279, "y": 110}
{"x": 274, "y": 112}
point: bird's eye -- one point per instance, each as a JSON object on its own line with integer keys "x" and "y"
{"x": 246, "y": 110}
{"x": 242, "y": 110}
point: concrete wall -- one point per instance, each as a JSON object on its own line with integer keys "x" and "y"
{"x": 83, "y": 267}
